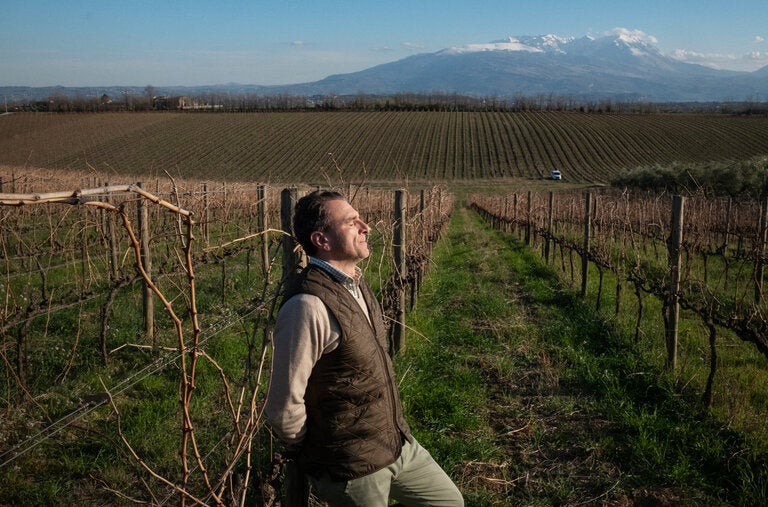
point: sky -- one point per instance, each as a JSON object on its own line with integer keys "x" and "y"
{"x": 207, "y": 42}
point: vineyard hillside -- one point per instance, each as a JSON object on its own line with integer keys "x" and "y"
{"x": 279, "y": 147}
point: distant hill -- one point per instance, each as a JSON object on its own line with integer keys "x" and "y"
{"x": 618, "y": 67}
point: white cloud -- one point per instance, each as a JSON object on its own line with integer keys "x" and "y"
{"x": 746, "y": 62}
{"x": 413, "y": 45}
{"x": 633, "y": 35}
{"x": 689, "y": 56}
{"x": 758, "y": 39}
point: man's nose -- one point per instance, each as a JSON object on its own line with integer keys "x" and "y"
{"x": 364, "y": 227}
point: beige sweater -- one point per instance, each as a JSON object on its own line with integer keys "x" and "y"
{"x": 304, "y": 331}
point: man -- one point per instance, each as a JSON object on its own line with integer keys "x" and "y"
{"x": 333, "y": 398}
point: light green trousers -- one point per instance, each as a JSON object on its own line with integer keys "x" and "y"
{"x": 414, "y": 480}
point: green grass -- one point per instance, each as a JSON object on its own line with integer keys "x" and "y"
{"x": 741, "y": 376}
{"x": 85, "y": 454}
{"x": 521, "y": 390}
{"x": 526, "y": 395}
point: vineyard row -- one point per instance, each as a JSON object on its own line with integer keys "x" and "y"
{"x": 66, "y": 310}
{"x": 705, "y": 256}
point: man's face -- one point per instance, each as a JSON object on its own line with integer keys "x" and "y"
{"x": 346, "y": 241}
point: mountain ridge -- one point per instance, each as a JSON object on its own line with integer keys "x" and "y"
{"x": 623, "y": 66}
{"x": 614, "y": 67}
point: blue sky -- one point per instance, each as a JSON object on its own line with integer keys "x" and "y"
{"x": 199, "y": 42}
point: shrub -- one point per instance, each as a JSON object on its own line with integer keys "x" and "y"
{"x": 744, "y": 179}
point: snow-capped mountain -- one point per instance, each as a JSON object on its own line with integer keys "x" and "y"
{"x": 536, "y": 44}
{"x": 622, "y": 66}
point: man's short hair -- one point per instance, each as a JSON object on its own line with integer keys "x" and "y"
{"x": 310, "y": 215}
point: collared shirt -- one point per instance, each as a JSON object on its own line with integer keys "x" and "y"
{"x": 349, "y": 283}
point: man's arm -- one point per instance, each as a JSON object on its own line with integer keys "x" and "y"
{"x": 304, "y": 331}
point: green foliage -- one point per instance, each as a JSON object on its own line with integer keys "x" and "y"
{"x": 745, "y": 179}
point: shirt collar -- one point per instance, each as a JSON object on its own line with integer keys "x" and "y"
{"x": 350, "y": 283}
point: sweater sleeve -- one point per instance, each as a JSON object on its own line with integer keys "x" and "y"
{"x": 304, "y": 331}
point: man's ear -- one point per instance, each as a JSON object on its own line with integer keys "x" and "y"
{"x": 319, "y": 239}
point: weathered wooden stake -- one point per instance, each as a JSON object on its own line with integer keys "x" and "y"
{"x": 112, "y": 239}
{"x": 587, "y": 234}
{"x": 293, "y": 255}
{"x": 148, "y": 297}
{"x": 398, "y": 244}
{"x": 206, "y": 218}
{"x": 548, "y": 239}
{"x": 84, "y": 254}
{"x": 726, "y": 236}
{"x": 514, "y": 215}
{"x": 674, "y": 244}
{"x": 506, "y": 214}
{"x": 761, "y": 238}
{"x": 262, "y": 226}
{"x": 528, "y": 219}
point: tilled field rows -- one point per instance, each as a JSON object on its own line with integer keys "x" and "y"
{"x": 313, "y": 146}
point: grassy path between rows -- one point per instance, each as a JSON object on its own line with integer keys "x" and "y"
{"x": 527, "y": 397}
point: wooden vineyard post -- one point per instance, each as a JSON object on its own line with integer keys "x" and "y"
{"x": 675, "y": 259}
{"x": 263, "y": 225}
{"x": 225, "y": 214}
{"x": 496, "y": 218}
{"x": 206, "y": 218}
{"x": 84, "y": 253}
{"x": 528, "y": 220}
{"x": 416, "y": 284}
{"x": 112, "y": 239}
{"x": 759, "y": 263}
{"x": 506, "y": 214}
{"x": 3, "y": 231}
{"x": 726, "y": 236}
{"x": 148, "y": 297}
{"x": 398, "y": 244}
{"x": 514, "y": 215}
{"x": 293, "y": 256}
{"x": 548, "y": 239}
{"x": 587, "y": 234}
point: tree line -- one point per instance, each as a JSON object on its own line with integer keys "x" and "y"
{"x": 151, "y": 100}
{"x": 746, "y": 179}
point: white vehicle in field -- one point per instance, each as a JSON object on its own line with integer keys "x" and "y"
{"x": 554, "y": 174}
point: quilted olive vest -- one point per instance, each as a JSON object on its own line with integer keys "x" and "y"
{"x": 355, "y": 424}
